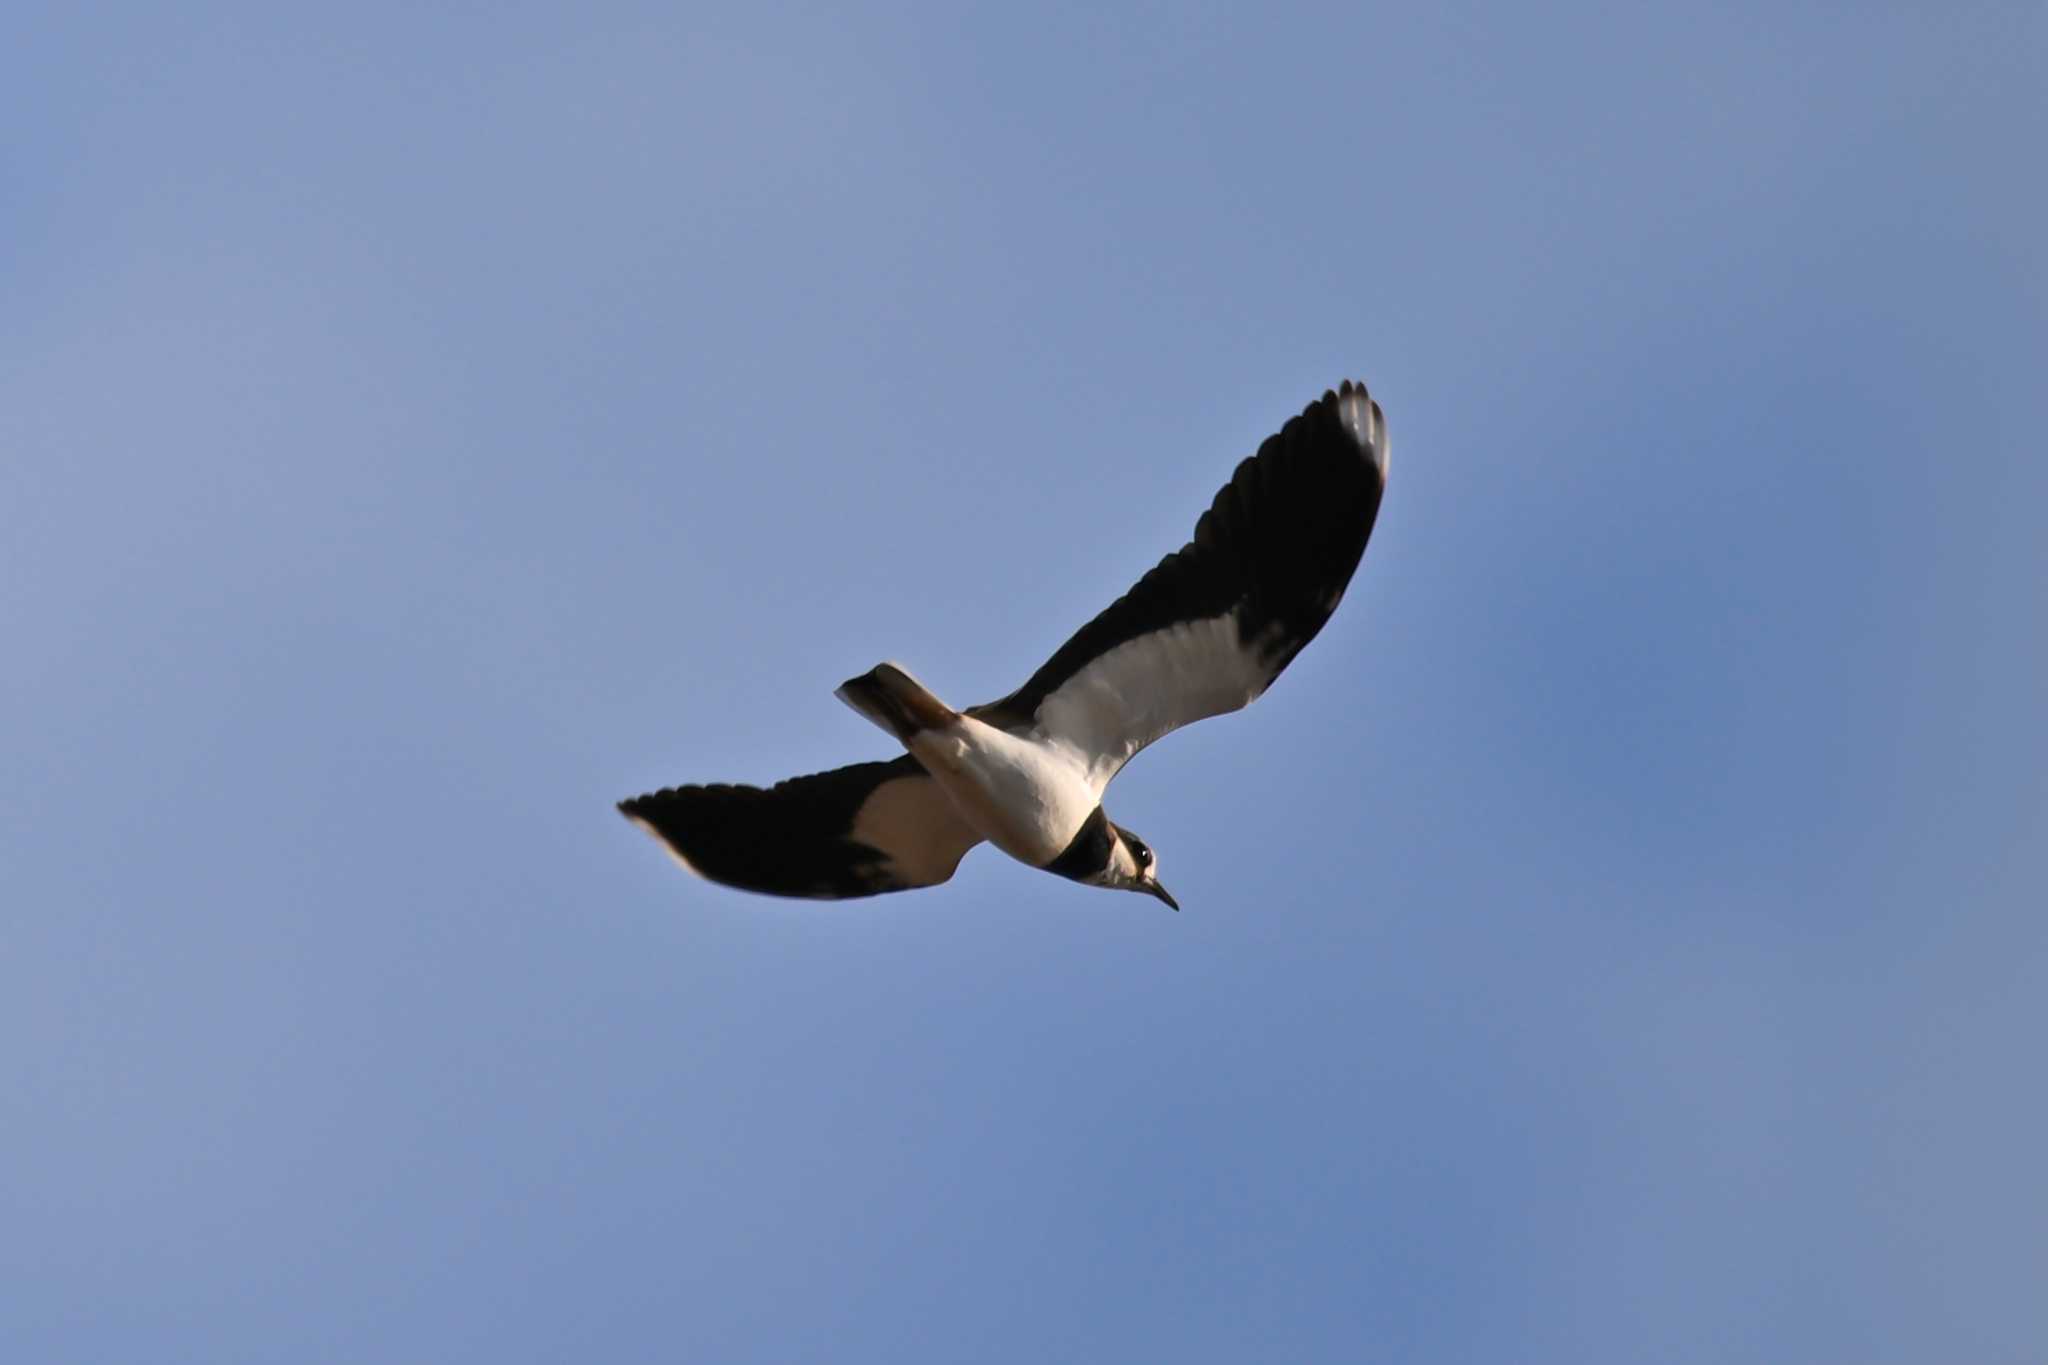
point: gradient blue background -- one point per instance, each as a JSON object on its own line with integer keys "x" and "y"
{"x": 1620, "y": 937}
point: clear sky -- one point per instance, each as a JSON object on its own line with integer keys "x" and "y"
{"x": 1619, "y": 937}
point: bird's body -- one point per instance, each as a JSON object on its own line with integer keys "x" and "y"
{"x": 1027, "y": 797}
{"x": 1205, "y": 632}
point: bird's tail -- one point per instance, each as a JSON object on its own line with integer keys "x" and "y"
{"x": 899, "y": 703}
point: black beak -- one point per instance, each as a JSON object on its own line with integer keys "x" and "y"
{"x": 1156, "y": 889}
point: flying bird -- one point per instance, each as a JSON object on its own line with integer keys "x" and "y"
{"x": 1204, "y": 633}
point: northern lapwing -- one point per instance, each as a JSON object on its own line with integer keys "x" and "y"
{"x": 1204, "y": 633}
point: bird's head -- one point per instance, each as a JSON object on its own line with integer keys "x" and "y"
{"x": 1132, "y": 867}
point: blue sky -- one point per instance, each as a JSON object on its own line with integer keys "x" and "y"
{"x": 1619, "y": 937}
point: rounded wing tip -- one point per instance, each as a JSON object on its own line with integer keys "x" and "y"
{"x": 631, "y": 808}
{"x": 1363, "y": 422}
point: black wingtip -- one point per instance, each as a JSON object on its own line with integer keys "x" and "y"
{"x": 1363, "y": 421}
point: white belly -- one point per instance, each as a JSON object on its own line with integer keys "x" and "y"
{"x": 1027, "y": 799}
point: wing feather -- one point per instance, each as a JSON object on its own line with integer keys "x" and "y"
{"x": 855, "y": 831}
{"x": 1210, "y": 627}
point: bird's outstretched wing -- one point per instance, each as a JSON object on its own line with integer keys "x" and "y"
{"x": 856, "y": 831}
{"x": 1209, "y": 628}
